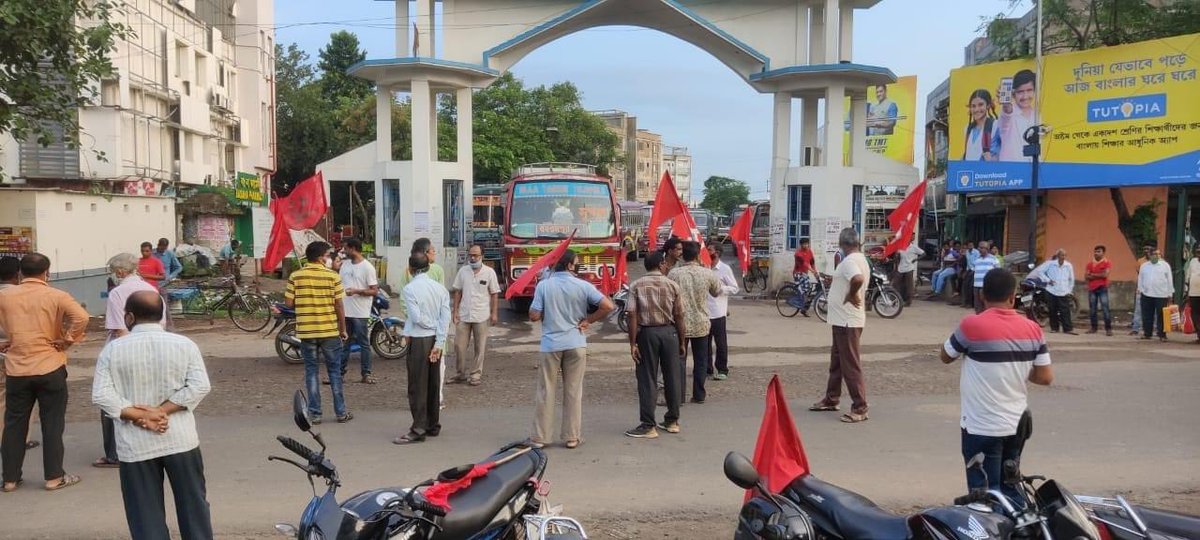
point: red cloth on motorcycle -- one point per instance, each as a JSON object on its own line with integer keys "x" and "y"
{"x": 778, "y": 455}
{"x": 439, "y": 493}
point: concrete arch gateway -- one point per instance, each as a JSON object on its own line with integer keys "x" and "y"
{"x": 792, "y": 49}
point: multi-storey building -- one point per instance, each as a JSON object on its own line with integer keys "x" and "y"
{"x": 624, "y": 126}
{"x": 678, "y": 162}
{"x": 649, "y": 159}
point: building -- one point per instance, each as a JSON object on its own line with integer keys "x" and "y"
{"x": 622, "y": 171}
{"x": 188, "y": 111}
{"x": 649, "y": 159}
{"x": 678, "y": 162}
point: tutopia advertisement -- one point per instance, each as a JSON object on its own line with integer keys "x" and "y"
{"x": 891, "y": 120}
{"x": 1118, "y": 117}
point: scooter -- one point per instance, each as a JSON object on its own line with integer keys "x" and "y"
{"x": 384, "y": 332}
{"x": 506, "y": 502}
{"x": 620, "y": 314}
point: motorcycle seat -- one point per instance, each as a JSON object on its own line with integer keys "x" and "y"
{"x": 473, "y": 508}
{"x": 286, "y": 311}
{"x": 854, "y": 516}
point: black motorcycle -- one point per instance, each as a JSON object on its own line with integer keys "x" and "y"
{"x": 1034, "y": 301}
{"x": 621, "y": 314}
{"x": 383, "y": 331}
{"x": 882, "y": 296}
{"x": 506, "y": 503}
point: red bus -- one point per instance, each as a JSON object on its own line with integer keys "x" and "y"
{"x": 544, "y": 203}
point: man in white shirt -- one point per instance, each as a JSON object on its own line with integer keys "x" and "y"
{"x": 847, "y": 317}
{"x": 152, "y": 380}
{"x": 718, "y": 312}
{"x": 1192, "y": 283}
{"x": 361, "y": 284}
{"x": 907, "y": 269}
{"x": 1061, "y": 275}
{"x": 475, "y": 307}
{"x": 425, "y": 328}
{"x": 1157, "y": 286}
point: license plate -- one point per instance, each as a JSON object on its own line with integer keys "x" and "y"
{"x": 1027, "y": 299}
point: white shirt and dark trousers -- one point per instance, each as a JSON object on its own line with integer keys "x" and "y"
{"x": 846, "y": 322}
{"x": 148, "y": 367}
{"x": 1157, "y": 286}
{"x": 476, "y": 289}
{"x": 718, "y": 313}
{"x": 359, "y": 276}
{"x": 428, "y": 322}
{"x": 1061, "y": 288}
{"x": 114, "y": 321}
{"x": 906, "y": 268}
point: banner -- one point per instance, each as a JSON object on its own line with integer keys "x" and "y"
{"x": 1119, "y": 116}
{"x": 248, "y": 188}
{"x": 891, "y": 120}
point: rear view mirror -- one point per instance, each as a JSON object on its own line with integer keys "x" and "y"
{"x": 740, "y": 471}
{"x": 300, "y": 411}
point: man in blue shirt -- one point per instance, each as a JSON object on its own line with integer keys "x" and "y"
{"x": 983, "y": 264}
{"x": 562, "y": 303}
{"x": 170, "y": 262}
{"x": 425, "y": 328}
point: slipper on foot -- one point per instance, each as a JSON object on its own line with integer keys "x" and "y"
{"x": 66, "y": 481}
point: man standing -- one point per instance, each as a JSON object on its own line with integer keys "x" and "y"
{"x": 361, "y": 284}
{"x": 170, "y": 262}
{"x": 968, "y": 276}
{"x": 10, "y": 276}
{"x": 907, "y": 268}
{"x": 1135, "y": 326}
{"x": 41, "y": 323}
{"x": 561, "y": 303}
{"x": 718, "y": 312}
{"x": 1097, "y": 282}
{"x": 149, "y": 267}
{"x": 1061, "y": 276}
{"x": 1003, "y": 349}
{"x": 804, "y": 262}
{"x": 656, "y": 341}
{"x": 696, "y": 285}
{"x": 847, "y": 317}
{"x": 152, "y": 380}
{"x": 476, "y": 306}
{"x": 673, "y": 249}
{"x": 1192, "y": 282}
{"x": 425, "y": 328}
{"x": 315, "y": 291}
{"x": 983, "y": 264}
{"x": 1156, "y": 286}
{"x": 123, "y": 268}
{"x": 424, "y": 247}
{"x": 882, "y": 115}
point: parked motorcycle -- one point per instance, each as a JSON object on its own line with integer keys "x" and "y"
{"x": 1034, "y": 301}
{"x": 505, "y": 503}
{"x": 620, "y": 314}
{"x": 383, "y": 330}
{"x": 882, "y": 296}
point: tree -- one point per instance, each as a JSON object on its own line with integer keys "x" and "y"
{"x": 723, "y": 195}
{"x": 335, "y": 58}
{"x": 305, "y": 127}
{"x": 48, "y": 64}
{"x": 1074, "y": 25}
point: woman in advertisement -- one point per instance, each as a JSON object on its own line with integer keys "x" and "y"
{"x": 1014, "y": 121}
{"x": 983, "y": 133}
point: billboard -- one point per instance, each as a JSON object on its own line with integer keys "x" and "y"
{"x": 891, "y": 120}
{"x": 1119, "y": 116}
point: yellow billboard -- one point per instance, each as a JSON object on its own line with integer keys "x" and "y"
{"x": 891, "y": 120}
{"x": 1117, "y": 116}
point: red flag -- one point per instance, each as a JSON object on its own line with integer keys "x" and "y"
{"x": 666, "y": 206}
{"x": 545, "y": 260}
{"x": 622, "y": 270}
{"x": 739, "y": 234}
{"x": 608, "y": 277}
{"x": 778, "y": 455}
{"x": 903, "y": 220}
{"x": 301, "y": 209}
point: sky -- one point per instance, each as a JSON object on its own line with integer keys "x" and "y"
{"x": 676, "y": 89}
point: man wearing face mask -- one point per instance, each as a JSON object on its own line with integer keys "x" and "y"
{"x": 475, "y": 304}
{"x": 361, "y": 284}
{"x": 122, "y": 269}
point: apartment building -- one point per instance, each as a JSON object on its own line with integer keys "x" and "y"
{"x": 678, "y": 161}
{"x": 649, "y": 159}
{"x": 623, "y": 170}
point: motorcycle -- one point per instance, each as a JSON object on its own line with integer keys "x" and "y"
{"x": 882, "y": 296}
{"x": 506, "y": 502}
{"x": 620, "y": 314}
{"x": 1034, "y": 301}
{"x": 383, "y": 331}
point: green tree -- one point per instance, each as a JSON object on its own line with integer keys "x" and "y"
{"x": 335, "y": 58}
{"x": 51, "y": 52}
{"x": 723, "y": 195}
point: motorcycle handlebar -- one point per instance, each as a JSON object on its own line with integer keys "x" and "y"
{"x": 976, "y": 495}
{"x": 429, "y": 508}
{"x": 297, "y": 448}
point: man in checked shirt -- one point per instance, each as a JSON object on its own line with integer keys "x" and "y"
{"x": 656, "y": 340}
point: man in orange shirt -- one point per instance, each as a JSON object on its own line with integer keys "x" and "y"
{"x": 42, "y": 323}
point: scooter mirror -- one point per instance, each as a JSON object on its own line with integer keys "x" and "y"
{"x": 300, "y": 411}
{"x": 1030, "y": 266}
{"x": 740, "y": 471}
{"x": 976, "y": 461}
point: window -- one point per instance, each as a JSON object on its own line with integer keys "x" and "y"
{"x": 391, "y": 211}
{"x": 453, "y": 214}
{"x": 181, "y": 59}
{"x": 799, "y": 214}
{"x": 201, "y": 71}
{"x": 266, "y": 126}
{"x": 221, "y": 74}
{"x": 856, "y": 205}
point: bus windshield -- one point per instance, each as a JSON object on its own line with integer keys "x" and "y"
{"x": 554, "y": 208}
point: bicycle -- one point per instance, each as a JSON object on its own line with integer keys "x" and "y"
{"x": 756, "y": 277}
{"x": 249, "y": 310}
{"x": 808, "y": 289}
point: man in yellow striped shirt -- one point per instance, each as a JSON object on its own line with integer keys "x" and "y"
{"x": 315, "y": 291}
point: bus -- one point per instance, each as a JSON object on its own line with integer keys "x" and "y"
{"x": 487, "y": 217}
{"x": 544, "y": 203}
{"x": 634, "y": 217}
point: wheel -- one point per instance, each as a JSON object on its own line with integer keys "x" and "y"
{"x": 782, "y": 296}
{"x": 288, "y": 352}
{"x": 250, "y": 312}
{"x": 821, "y": 306}
{"x": 520, "y": 304}
{"x": 761, "y": 276}
{"x": 1039, "y": 312}
{"x": 387, "y": 342}
{"x": 750, "y": 279}
{"x": 623, "y": 321}
{"x": 888, "y": 303}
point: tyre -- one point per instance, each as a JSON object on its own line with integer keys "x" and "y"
{"x": 1039, "y": 312}
{"x": 821, "y": 306}
{"x": 249, "y": 312}
{"x": 387, "y": 342}
{"x": 520, "y": 304}
{"x": 888, "y": 303}
{"x": 288, "y": 352}
{"x": 623, "y": 321}
{"x": 782, "y": 296}
{"x": 754, "y": 280}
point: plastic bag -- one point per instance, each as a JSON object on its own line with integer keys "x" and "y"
{"x": 1172, "y": 319}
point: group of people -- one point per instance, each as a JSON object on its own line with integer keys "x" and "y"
{"x": 963, "y": 268}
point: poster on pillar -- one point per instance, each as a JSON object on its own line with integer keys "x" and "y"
{"x": 891, "y": 120}
{"x": 1118, "y": 116}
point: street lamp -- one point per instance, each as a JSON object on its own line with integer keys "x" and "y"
{"x": 1033, "y": 149}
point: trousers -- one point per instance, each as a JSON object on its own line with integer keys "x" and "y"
{"x": 845, "y": 364}
{"x": 142, "y": 490}
{"x": 49, "y": 392}
{"x": 718, "y": 344}
{"x": 1152, "y": 315}
{"x": 659, "y": 350}
{"x": 424, "y": 387}
{"x": 571, "y": 364}
{"x": 699, "y": 347}
{"x": 465, "y": 334}
{"x": 1060, "y": 313}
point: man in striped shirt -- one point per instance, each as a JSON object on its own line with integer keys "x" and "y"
{"x": 315, "y": 291}
{"x": 983, "y": 264}
{"x": 151, "y": 381}
{"x": 1003, "y": 350}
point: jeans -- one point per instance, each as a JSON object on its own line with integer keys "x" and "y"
{"x": 359, "y": 330}
{"x": 1098, "y": 299}
{"x": 331, "y": 349}
{"x": 940, "y": 277}
{"x": 996, "y": 450}
{"x": 1152, "y": 315}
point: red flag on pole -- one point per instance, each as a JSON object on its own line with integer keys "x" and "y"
{"x": 608, "y": 277}
{"x": 622, "y": 270}
{"x": 529, "y": 275}
{"x": 778, "y": 455}
{"x": 301, "y": 209}
{"x": 903, "y": 220}
{"x": 739, "y": 234}
{"x": 666, "y": 207}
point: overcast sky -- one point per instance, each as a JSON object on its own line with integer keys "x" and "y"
{"x": 679, "y": 90}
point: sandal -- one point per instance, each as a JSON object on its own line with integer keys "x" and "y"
{"x": 411, "y": 438}
{"x": 66, "y": 481}
{"x": 105, "y": 463}
{"x": 854, "y": 418}
{"x": 10, "y": 487}
{"x": 572, "y": 444}
{"x": 822, "y": 406}
{"x": 30, "y": 445}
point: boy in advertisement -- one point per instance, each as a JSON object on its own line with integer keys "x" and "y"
{"x": 1014, "y": 121}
